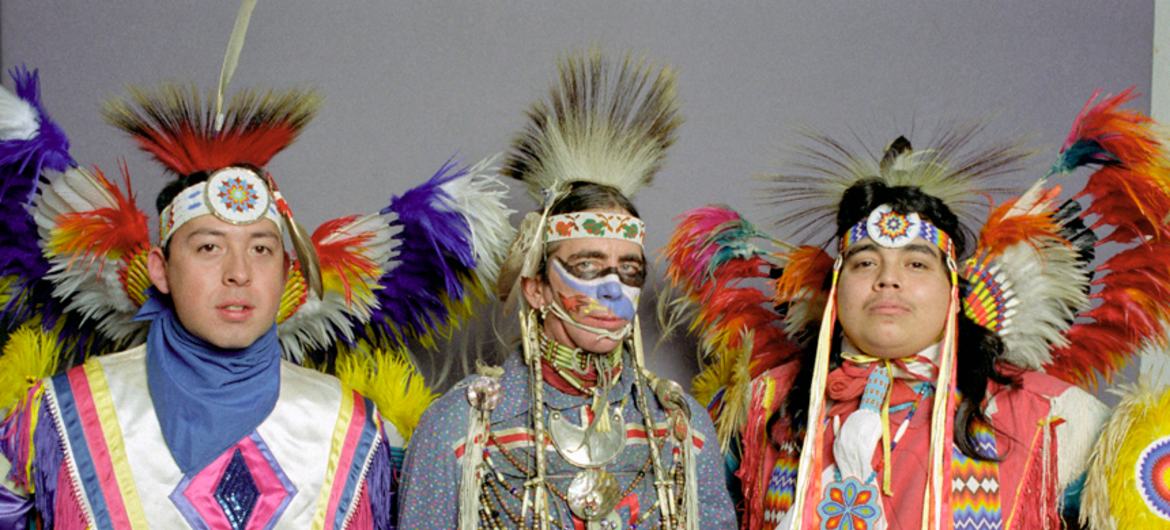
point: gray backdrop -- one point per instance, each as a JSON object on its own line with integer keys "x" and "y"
{"x": 408, "y": 85}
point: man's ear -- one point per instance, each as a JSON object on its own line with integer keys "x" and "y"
{"x": 156, "y": 267}
{"x": 533, "y": 292}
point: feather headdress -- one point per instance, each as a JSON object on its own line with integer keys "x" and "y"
{"x": 951, "y": 169}
{"x": 178, "y": 127}
{"x": 603, "y": 123}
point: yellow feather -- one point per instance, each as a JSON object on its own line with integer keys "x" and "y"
{"x": 30, "y": 355}
{"x": 1111, "y": 497}
{"x": 730, "y": 373}
{"x": 6, "y": 284}
{"x": 390, "y": 380}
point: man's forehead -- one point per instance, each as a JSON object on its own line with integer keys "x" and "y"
{"x": 211, "y": 225}
{"x": 598, "y": 248}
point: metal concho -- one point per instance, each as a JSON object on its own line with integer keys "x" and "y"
{"x": 593, "y": 494}
{"x": 587, "y": 448}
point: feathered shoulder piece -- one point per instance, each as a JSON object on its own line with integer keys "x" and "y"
{"x": 1032, "y": 275}
{"x": 183, "y": 132}
{"x": 950, "y": 167}
{"x": 604, "y": 123}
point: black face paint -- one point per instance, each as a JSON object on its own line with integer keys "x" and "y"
{"x": 632, "y": 274}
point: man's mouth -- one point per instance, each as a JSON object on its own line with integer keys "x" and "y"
{"x": 234, "y": 311}
{"x": 888, "y": 307}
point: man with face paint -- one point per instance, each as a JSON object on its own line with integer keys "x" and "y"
{"x": 573, "y": 431}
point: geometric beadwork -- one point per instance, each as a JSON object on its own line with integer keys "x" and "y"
{"x": 243, "y": 488}
{"x": 1152, "y": 476}
{"x": 781, "y": 483}
{"x": 975, "y": 496}
{"x": 236, "y": 492}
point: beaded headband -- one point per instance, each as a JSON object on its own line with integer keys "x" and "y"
{"x": 235, "y": 195}
{"x": 578, "y": 225}
{"x": 891, "y": 229}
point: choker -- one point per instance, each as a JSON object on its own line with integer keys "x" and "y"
{"x": 573, "y": 364}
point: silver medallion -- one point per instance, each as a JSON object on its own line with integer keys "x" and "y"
{"x": 592, "y": 496}
{"x": 587, "y": 447}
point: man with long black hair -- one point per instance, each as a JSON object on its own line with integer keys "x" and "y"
{"x": 914, "y": 379}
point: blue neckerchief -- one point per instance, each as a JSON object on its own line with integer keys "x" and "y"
{"x": 206, "y": 398}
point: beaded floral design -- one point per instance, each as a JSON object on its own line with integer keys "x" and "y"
{"x": 848, "y": 505}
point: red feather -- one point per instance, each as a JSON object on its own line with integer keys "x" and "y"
{"x": 342, "y": 255}
{"x": 1131, "y": 194}
{"x": 108, "y": 232}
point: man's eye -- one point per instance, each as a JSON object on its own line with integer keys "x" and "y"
{"x": 206, "y": 247}
{"x": 585, "y": 269}
{"x": 630, "y": 269}
{"x": 262, "y": 250}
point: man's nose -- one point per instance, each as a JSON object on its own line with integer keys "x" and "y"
{"x": 889, "y": 278}
{"x": 609, "y": 291}
{"x": 236, "y": 270}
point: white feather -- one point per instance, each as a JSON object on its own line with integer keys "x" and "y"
{"x": 18, "y": 119}
{"x": 91, "y": 285}
{"x": 479, "y": 196}
{"x": 1046, "y": 285}
{"x": 316, "y": 323}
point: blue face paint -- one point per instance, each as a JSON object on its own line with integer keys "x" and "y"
{"x": 604, "y": 293}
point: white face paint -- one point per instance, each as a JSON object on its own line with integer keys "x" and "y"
{"x": 596, "y": 296}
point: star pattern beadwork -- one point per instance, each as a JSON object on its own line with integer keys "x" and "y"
{"x": 848, "y": 505}
{"x": 237, "y": 195}
{"x": 893, "y": 225}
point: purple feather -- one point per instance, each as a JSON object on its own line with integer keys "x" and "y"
{"x": 21, "y": 164}
{"x": 436, "y": 259}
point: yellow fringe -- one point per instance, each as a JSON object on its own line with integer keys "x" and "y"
{"x": 390, "y": 380}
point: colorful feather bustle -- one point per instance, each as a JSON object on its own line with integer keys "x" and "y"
{"x": 30, "y": 143}
{"x": 438, "y": 275}
{"x": 604, "y": 123}
{"x": 353, "y": 253}
{"x": 1028, "y": 278}
{"x": 714, "y": 262}
{"x": 1126, "y": 484}
{"x": 177, "y": 127}
{"x": 1129, "y": 202}
{"x": 390, "y": 380}
{"x": 94, "y": 235}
